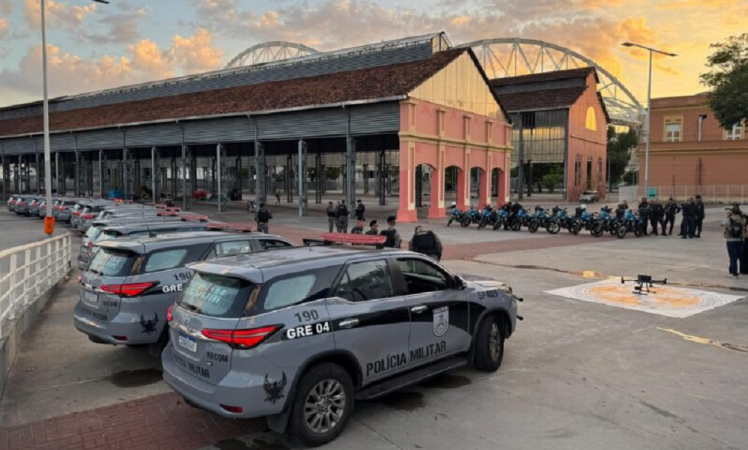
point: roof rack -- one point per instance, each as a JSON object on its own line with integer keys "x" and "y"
{"x": 343, "y": 238}
{"x": 193, "y": 218}
{"x": 221, "y": 226}
{"x": 168, "y": 213}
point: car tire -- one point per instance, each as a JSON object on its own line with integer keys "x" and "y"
{"x": 313, "y": 381}
{"x": 489, "y": 344}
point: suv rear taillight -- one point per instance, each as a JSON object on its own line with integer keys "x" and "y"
{"x": 21, "y": 203}
{"x": 88, "y": 216}
{"x": 169, "y": 315}
{"x": 243, "y": 339}
{"x": 76, "y": 213}
{"x": 128, "y": 290}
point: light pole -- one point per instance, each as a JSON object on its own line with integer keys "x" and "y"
{"x": 49, "y": 220}
{"x": 649, "y": 106}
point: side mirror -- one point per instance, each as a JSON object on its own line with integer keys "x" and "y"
{"x": 460, "y": 283}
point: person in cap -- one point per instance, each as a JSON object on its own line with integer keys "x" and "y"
{"x": 331, "y": 214}
{"x": 359, "y": 227}
{"x": 262, "y": 217}
{"x": 671, "y": 209}
{"x": 426, "y": 242}
{"x": 699, "y": 220}
{"x": 373, "y": 228}
{"x": 393, "y": 237}
{"x": 341, "y": 217}
{"x": 360, "y": 209}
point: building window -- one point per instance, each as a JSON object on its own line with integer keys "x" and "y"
{"x": 591, "y": 121}
{"x": 599, "y": 170}
{"x": 578, "y": 171}
{"x": 673, "y": 132}
{"x": 736, "y": 133}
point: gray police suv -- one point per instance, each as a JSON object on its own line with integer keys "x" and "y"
{"x": 130, "y": 283}
{"x": 299, "y": 334}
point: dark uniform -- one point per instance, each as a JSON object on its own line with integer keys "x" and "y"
{"x": 331, "y": 214}
{"x": 358, "y": 229}
{"x": 699, "y": 219}
{"x": 393, "y": 238}
{"x": 671, "y": 209}
{"x": 341, "y": 218}
{"x": 360, "y": 210}
{"x": 689, "y": 219}
{"x": 426, "y": 243}
{"x": 644, "y": 215}
{"x": 621, "y": 210}
{"x": 656, "y": 216}
{"x": 263, "y": 220}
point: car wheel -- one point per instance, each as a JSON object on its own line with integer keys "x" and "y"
{"x": 489, "y": 344}
{"x": 323, "y": 404}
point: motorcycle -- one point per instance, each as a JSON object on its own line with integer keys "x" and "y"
{"x": 471, "y": 216}
{"x": 501, "y": 218}
{"x": 522, "y": 219}
{"x": 540, "y": 219}
{"x": 603, "y": 223}
{"x": 630, "y": 222}
{"x": 455, "y": 215}
{"x": 583, "y": 220}
{"x": 488, "y": 217}
{"x": 561, "y": 219}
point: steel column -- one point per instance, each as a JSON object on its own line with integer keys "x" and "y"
{"x": 321, "y": 178}
{"x": 154, "y": 175}
{"x": 101, "y": 173}
{"x": 57, "y": 171}
{"x": 38, "y": 188}
{"x": 303, "y": 201}
{"x": 218, "y": 174}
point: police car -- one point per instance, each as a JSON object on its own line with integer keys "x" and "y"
{"x": 130, "y": 283}
{"x": 299, "y": 334}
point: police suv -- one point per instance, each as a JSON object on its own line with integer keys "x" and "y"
{"x": 299, "y": 334}
{"x": 130, "y": 283}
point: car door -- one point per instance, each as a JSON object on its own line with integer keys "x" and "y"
{"x": 438, "y": 310}
{"x": 370, "y": 320}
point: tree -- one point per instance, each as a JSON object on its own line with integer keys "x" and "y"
{"x": 553, "y": 179}
{"x": 728, "y": 79}
{"x": 619, "y": 145}
{"x": 332, "y": 172}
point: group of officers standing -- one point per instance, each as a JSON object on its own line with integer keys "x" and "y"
{"x": 652, "y": 212}
{"x": 423, "y": 241}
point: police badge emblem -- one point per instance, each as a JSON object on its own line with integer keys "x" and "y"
{"x": 441, "y": 321}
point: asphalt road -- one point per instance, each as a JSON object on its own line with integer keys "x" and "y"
{"x": 20, "y": 230}
{"x": 576, "y": 375}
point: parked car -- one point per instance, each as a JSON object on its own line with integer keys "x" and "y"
{"x": 300, "y": 334}
{"x": 589, "y": 197}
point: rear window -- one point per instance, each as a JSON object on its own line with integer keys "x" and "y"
{"x": 165, "y": 260}
{"x": 112, "y": 262}
{"x": 107, "y": 235}
{"x": 92, "y": 233}
{"x": 216, "y": 296}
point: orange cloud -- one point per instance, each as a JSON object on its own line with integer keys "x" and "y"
{"x": 195, "y": 53}
{"x": 57, "y": 13}
{"x": 3, "y": 27}
{"x": 148, "y": 57}
{"x": 595, "y": 4}
{"x": 699, "y": 4}
{"x": 6, "y": 7}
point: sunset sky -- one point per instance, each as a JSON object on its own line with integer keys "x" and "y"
{"x": 95, "y": 46}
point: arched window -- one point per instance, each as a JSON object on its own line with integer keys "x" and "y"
{"x": 591, "y": 122}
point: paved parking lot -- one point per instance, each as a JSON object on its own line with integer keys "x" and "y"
{"x": 576, "y": 374}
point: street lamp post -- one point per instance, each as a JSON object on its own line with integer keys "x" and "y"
{"x": 49, "y": 221}
{"x": 649, "y": 106}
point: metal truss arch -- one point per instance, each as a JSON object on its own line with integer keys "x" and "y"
{"x": 529, "y": 56}
{"x": 270, "y": 52}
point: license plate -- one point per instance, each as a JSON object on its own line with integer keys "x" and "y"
{"x": 92, "y": 298}
{"x": 187, "y": 342}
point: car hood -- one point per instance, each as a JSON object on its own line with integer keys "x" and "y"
{"x": 489, "y": 284}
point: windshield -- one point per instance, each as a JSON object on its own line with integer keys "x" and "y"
{"x": 216, "y": 296}
{"x": 110, "y": 262}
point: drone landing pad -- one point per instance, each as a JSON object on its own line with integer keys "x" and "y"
{"x": 664, "y": 300}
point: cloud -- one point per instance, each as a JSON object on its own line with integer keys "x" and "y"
{"x": 143, "y": 61}
{"x": 3, "y": 28}
{"x": 122, "y": 27}
{"x": 58, "y": 14}
{"x": 697, "y": 4}
{"x": 6, "y": 7}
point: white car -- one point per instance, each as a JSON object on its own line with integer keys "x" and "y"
{"x": 589, "y": 197}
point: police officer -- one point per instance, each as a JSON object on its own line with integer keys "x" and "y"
{"x": 393, "y": 237}
{"x": 656, "y": 216}
{"x": 644, "y": 214}
{"x": 699, "y": 220}
{"x": 373, "y": 228}
{"x": 359, "y": 228}
{"x": 426, "y": 242}
{"x": 341, "y": 217}
{"x": 262, "y": 218}
{"x": 671, "y": 209}
{"x": 621, "y": 210}
{"x": 360, "y": 209}
{"x": 331, "y": 213}
{"x": 689, "y": 219}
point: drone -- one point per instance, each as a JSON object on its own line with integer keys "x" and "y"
{"x": 644, "y": 283}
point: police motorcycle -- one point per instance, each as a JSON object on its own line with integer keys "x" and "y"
{"x": 540, "y": 219}
{"x": 583, "y": 219}
{"x": 488, "y": 217}
{"x": 630, "y": 222}
{"x": 559, "y": 220}
{"x": 604, "y": 222}
{"x": 455, "y": 214}
{"x": 471, "y": 216}
{"x": 502, "y": 216}
{"x": 522, "y": 219}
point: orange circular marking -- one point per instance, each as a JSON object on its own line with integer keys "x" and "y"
{"x": 662, "y": 296}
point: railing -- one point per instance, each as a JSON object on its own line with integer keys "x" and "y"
{"x": 26, "y": 272}
{"x": 724, "y": 194}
